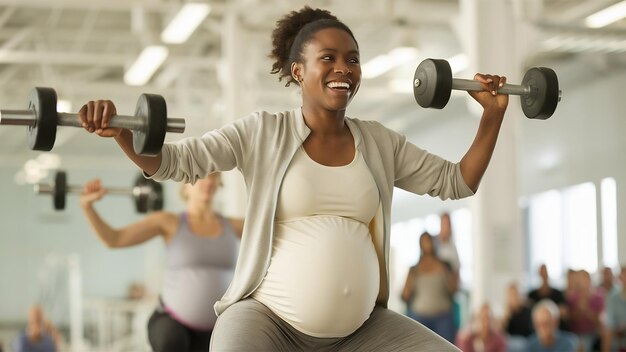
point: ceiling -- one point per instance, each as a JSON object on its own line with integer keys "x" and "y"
{"x": 83, "y": 48}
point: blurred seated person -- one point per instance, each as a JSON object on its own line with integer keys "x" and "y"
{"x": 616, "y": 316}
{"x": 516, "y": 321}
{"x": 545, "y": 291}
{"x": 482, "y": 336}
{"x": 585, "y": 306}
{"x": 40, "y": 335}
{"x": 136, "y": 291}
{"x": 548, "y": 337}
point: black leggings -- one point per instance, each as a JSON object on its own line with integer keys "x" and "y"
{"x": 168, "y": 335}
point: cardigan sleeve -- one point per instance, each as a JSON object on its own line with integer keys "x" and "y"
{"x": 193, "y": 158}
{"x": 421, "y": 172}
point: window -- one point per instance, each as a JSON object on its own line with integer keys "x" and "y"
{"x": 608, "y": 191}
{"x": 563, "y": 230}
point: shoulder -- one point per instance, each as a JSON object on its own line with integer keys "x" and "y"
{"x": 370, "y": 126}
{"x": 568, "y": 339}
{"x": 235, "y": 223}
{"x": 271, "y": 118}
{"x": 168, "y": 222}
{"x": 165, "y": 217}
{"x": 533, "y": 342}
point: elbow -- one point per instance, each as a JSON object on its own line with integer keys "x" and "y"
{"x": 111, "y": 244}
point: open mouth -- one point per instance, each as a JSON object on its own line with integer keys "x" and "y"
{"x": 339, "y": 86}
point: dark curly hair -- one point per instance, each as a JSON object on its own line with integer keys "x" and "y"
{"x": 293, "y": 31}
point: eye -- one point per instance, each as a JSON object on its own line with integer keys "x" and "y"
{"x": 327, "y": 57}
{"x": 354, "y": 60}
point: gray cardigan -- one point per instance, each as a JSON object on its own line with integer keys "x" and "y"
{"x": 262, "y": 145}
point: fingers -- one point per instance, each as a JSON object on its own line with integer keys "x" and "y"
{"x": 490, "y": 83}
{"x": 107, "y": 112}
{"x": 92, "y": 186}
{"x": 96, "y": 115}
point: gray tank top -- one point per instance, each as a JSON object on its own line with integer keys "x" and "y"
{"x": 198, "y": 272}
{"x": 431, "y": 295}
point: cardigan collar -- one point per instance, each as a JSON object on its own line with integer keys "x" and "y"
{"x": 303, "y": 131}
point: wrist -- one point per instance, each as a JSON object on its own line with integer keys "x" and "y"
{"x": 494, "y": 111}
{"x": 86, "y": 205}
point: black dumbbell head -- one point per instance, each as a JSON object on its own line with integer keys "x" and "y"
{"x": 60, "y": 190}
{"x": 432, "y": 83}
{"x": 543, "y": 98}
{"x": 150, "y": 201}
{"x": 41, "y": 135}
{"x": 152, "y": 110}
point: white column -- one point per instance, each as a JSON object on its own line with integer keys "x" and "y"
{"x": 489, "y": 30}
{"x": 75, "y": 289}
{"x": 231, "y": 73}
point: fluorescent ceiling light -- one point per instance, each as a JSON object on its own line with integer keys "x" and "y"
{"x": 184, "y": 23}
{"x": 146, "y": 64}
{"x": 383, "y": 63}
{"x": 607, "y": 16}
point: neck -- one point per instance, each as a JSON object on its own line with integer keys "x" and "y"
{"x": 200, "y": 209}
{"x": 324, "y": 122}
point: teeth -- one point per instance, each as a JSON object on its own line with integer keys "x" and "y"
{"x": 338, "y": 85}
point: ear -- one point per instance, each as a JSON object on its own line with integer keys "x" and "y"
{"x": 296, "y": 71}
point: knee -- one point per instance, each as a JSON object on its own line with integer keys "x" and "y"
{"x": 246, "y": 325}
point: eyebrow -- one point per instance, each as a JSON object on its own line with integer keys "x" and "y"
{"x": 335, "y": 50}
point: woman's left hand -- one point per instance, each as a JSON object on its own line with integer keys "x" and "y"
{"x": 489, "y": 98}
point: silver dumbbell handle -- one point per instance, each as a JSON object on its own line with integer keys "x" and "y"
{"x": 44, "y": 188}
{"x": 28, "y": 118}
{"x": 472, "y": 85}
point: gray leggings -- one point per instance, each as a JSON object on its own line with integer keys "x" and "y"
{"x": 250, "y": 326}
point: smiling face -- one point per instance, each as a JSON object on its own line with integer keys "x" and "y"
{"x": 330, "y": 71}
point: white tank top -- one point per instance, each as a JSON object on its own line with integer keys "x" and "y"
{"x": 323, "y": 276}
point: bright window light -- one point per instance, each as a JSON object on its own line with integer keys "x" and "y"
{"x": 384, "y": 63}
{"x": 146, "y": 64}
{"x": 401, "y": 86}
{"x": 607, "y": 16}
{"x": 184, "y": 23}
{"x": 64, "y": 105}
{"x": 458, "y": 63}
{"x": 608, "y": 191}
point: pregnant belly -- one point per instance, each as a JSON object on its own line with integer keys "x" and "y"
{"x": 323, "y": 277}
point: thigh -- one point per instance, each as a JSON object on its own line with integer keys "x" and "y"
{"x": 166, "y": 334}
{"x": 250, "y": 326}
{"x": 388, "y": 331}
{"x": 199, "y": 341}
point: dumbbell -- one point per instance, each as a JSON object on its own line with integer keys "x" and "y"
{"x": 148, "y": 126}
{"x": 147, "y": 194}
{"x": 539, "y": 91}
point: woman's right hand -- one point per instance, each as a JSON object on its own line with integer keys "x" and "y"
{"x": 95, "y": 116}
{"x": 92, "y": 192}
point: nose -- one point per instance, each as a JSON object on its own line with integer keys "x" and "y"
{"x": 342, "y": 69}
